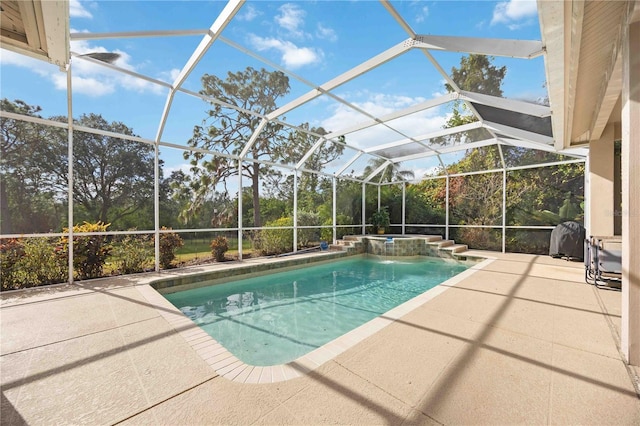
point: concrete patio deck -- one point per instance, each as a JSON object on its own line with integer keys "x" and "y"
{"x": 522, "y": 341}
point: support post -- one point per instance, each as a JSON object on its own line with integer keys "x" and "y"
{"x": 334, "y": 210}
{"x": 70, "y": 171}
{"x": 295, "y": 211}
{"x": 239, "y": 209}
{"x": 630, "y": 336}
{"x": 600, "y": 187}
{"x": 504, "y": 210}
{"x": 156, "y": 205}
{"x": 404, "y": 206}
{"x": 446, "y": 210}
{"x": 364, "y": 213}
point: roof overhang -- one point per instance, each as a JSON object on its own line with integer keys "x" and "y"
{"x": 37, "y": 28}
{"x": 582, "y": 40}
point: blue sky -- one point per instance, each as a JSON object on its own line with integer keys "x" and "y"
{"x": 317, "y": 40}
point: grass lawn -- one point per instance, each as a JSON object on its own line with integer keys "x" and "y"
{"x": 200, "y": 248}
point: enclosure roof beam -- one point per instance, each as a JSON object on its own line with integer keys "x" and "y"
{"x": 310, "y": 152}
{"x": 120, "y": 69}
{"x": 405, "y": 26}
{"x": 519, "y": 133}
{"x": 377, "y": 171}
{"x": 137, "y": 34}
{"x": 350, "y": 162}
{"x": 229, "y": 11}
{"x": 437, "y": 133}
{"x": 364, "y": 67}
{"x": 253, "y": 138}
{"x": 520, "y": 143}
{"x": 526, "y": 49}
{"x": 440, "y": 100}
{"x": 446, "y": 150}
{"x": 528, "y": 108}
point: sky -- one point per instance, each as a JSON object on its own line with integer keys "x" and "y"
{"x": 313, "y": 40}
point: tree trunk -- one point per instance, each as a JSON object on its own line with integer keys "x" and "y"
{"x": 255, "y": 186}
{"x": 5, "y": 216}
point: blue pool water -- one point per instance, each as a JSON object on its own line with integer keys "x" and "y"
{"x": 279, "y": 317}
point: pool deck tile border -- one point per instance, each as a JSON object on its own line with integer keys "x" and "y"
{"x": 227, "y": 365}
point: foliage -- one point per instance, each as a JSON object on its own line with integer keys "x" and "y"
{"x": 277, "y": 241}
{"x": 380, "y": 219}
{"x": 89, "y": 252}
{"x": 30, "y": 172}
{"x": 348, "y": 202}
{"x": 306, "y": 236}
{"x": 219, "y": 247}
{"x": 133, "y": 253}
{"x": 113, "y": 178}
{"x": 391, "y": 173}
{"x": 420, "y": 208}
{"x": 31, "y": 262}
{"x": 169, "y": 243}
{"x": 478, "y": 74}
{"x": 475, "y": 74}
{"x": 227, "y": 130}
{"x": 546, "y": 195}
{"x": 11, "y": 251}
{"x": 480, "y": 238}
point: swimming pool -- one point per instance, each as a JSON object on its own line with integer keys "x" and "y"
{"x": 277, "y": 318}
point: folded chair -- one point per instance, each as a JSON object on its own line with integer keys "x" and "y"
{"x": 603, "y": 262}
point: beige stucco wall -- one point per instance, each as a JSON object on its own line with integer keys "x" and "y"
{"x": 601, "y": 184}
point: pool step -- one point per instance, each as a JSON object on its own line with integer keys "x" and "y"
{"x": 441, "y": 243}
{"x": 455, "y": 248}
{"x": 432, "y": 238}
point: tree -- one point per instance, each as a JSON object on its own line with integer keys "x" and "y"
{"x": 476, "y": 74}
{"x": 227, "y": 130}
{"x": 310, "y": 185}
{"x": 32, "y": 157}
{"x": 391, "y": 173}
{"x": 113, "y": 178}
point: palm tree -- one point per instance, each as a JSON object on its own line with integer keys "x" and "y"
{"x": 391, "y": 173}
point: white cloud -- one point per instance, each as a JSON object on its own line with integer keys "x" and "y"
{"x": 292, "y": 56}
{"x": 77, "y": 10}
{"x": 380, "y": 104}
{"x": 88, "y": 78}
{"x": 249, "y": 13}
{"x": 291, "y": 18}
{"x": 514, "y": 12}
{"x": 422, "y": 14}
{"x": 171, "y": 75}
{"x": 326, "y": 33}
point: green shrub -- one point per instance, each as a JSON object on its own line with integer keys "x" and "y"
{"x": 133, "y": 253}
{"x": 42, "y": 264}
{"x": 277, "y": 241}
{"x": 169, "y": 243}
{"x": 219, "y": 247}
{"x": 307, "y": 236}
{"x": 31, "y": 262}
{"x": 326, "y": 234}
{"x": 89, "y": 252}
{"x": 11, "y": 251}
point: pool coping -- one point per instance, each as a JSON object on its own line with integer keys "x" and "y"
{"x": 230, "y": 367}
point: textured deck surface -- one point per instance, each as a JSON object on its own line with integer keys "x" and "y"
{"x": 523, "y": 340}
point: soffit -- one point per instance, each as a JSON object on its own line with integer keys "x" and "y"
{"x": 36, "y": 28}
{"x": 582, "y": 42}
